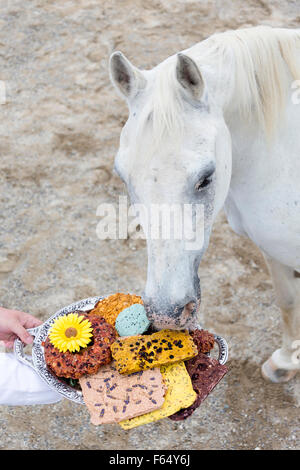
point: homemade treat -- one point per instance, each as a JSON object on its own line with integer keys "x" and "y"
{"x": 132, "y": 321}
{"x": 203, "y": 339}
{"x": 180, "y": 394}
{"x": 111, "y": 397}
{"x": 205, "y": 373}
{"x": 136, "y": 353}
{"x": 86, "y": 361}
{"x": 110, "y": 307}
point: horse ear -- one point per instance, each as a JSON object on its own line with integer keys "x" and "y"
{"x": 189, "y": 76}
{"x": 126, "y": 78}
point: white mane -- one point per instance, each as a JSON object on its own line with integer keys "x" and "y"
{"x": 258, "y": 63}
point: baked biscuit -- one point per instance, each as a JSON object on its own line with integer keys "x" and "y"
{"x": 111, "y": 397}
{"x": 136, "y": 353}
{"x": 110, "y": 307}
{"x": 88, "y": 360}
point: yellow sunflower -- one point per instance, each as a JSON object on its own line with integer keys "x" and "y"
{"x": 70, "y": 333}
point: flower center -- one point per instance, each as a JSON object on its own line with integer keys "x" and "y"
{"x": 70, "y": 332}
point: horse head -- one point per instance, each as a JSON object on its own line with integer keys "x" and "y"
{"x": 175, "y": 151}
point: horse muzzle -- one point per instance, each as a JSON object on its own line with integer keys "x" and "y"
{"x": 173, "y": 317}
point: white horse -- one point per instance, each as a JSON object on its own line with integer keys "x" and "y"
{"x": 218, "y": 124}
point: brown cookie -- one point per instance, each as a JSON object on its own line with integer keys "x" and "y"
{"x": 203, "y": 339}
{"x": 205, "y": 373}
{"x": 88, "y": 360}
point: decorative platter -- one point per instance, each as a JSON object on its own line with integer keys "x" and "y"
{"x": 37, "y": 359}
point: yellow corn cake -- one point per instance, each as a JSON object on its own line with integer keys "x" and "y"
{"x": 180, "y": 394}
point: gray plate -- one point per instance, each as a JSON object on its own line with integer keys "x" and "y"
{"x": 37, "y": 360}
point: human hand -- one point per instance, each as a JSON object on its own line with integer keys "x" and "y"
{"x": 13, "y": 325}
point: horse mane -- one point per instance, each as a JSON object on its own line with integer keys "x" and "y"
{"x": 260, "y": 63}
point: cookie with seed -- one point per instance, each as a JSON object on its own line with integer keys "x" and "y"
{"x": 180, "y": 394}
{"x": 203, "y": 339}
{"x": 136, "y": 353}
{"x": 88, "y": 360}
{"x": 110, "y": 307}
{"x": 111, "y": 397}
{"x": 205, "y": 373}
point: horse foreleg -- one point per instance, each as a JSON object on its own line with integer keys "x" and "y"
{"x": 285, "y": 362}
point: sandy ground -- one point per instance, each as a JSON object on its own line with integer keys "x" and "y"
{"x": 59, "y": 133}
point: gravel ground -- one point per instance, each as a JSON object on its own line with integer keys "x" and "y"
{"x": 59, "y": 133}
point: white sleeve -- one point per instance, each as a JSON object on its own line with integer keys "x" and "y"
{"x": 20, "y": 384}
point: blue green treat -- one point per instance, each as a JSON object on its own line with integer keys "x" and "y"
{"x": 132, "y": 321}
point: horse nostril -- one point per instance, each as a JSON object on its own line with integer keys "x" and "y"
{"x": 189, "y": 307}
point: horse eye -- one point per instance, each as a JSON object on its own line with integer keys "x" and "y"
{"x": 203, "y": 183}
